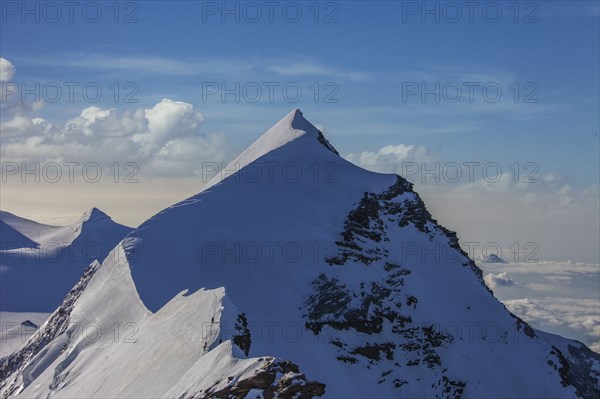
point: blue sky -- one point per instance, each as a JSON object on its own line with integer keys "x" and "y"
{"x": 369, "y": 53}
{"x": 559, "y": 53}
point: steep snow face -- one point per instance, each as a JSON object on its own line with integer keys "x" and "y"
{"x": 94, "y": 215}
{"x": 36, "y": 232}
{"x": 102, "y": 342}
{"x": 12, "y": 238}
{"x": 40, "y": 263}
{"x": 288, "y": 129}
{"x": 95, "y": 234}
{"x": 92, "y": 226}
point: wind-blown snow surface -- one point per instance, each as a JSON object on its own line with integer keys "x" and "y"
{"x": 299, "y": 274}
{"x": 39, "y": 263}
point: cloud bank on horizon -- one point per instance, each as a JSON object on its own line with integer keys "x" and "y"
{"x": 561, "y": 297}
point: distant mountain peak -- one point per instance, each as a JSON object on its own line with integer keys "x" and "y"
{"x": 492, "y": 258}
{"x": 43, "y": 262}
{"x": 94, "y": 214}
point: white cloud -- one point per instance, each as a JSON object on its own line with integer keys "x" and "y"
{"x": 166, "y": 118}
{"x": 557, "y": 297}
{"x": 163, "y": 140}
{"x": 562, "y": 315}
{"x": 390, "y": 159}
{"x": 223, "y": 67}
{"x": 90, "y": 114}
{"x": 7, "y": 70}
{"x": 496, "y": 280}
{"x": 184, "y": 156}
{"x": 37, "y": 105}
{"x": 17, "y": 125}
{"x": 305, "y": 68}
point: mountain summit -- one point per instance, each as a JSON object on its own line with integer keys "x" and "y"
{"x": 293, "y": 274}
{"x": 292, "y": 127}
{"x": 41, "y": 263}
{"x": 94, "y": 214}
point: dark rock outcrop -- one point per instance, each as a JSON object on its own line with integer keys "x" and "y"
{"x": 291, "y": 384}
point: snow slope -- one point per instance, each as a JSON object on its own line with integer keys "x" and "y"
{"x": 102, "y": 342}
{"x": 14, "y": 238}
{"x": 293, "y": 273}
{"x": 40, "y": 263}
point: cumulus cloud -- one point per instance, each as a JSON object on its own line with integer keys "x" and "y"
{"x": 184, "y": 157}
{"x": 562, "y": 315}
{"x": 496, "y": 280}
{"x": 390, "y": 159}
{"x": 163, "y": 140}
{"x": 165, "y": 118}
{"x": 7, "y": 70}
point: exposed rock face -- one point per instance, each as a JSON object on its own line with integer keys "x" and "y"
{"x": 29, "y": 323}
{"x": 370, "y": 311}
{"x": 12, "y": 367}
{"x": 276, "y": 379}
{"x": 242, "y": 337}
{"x": 579, "y": 368}
{"x": 399, "y": 204}
{"x": 326, "y": 143}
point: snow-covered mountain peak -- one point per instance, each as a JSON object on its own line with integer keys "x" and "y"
{"x": 491, "y": 258}
{"x": 48, "y": 260}
{"x": 291, "y": 128}
{"x": 94, "y": 214}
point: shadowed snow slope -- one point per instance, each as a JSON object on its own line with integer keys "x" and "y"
{"x": 40, "y": 263}
{"x": 10, "y": 235}
{"x": 294, "y": 273}
{"x": 35, "y": 232}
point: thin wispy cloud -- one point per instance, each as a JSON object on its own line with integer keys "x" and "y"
{"x": 234, "y": 67}
{"x": 313, "y": 69}
{"x": 570, "y": 9}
